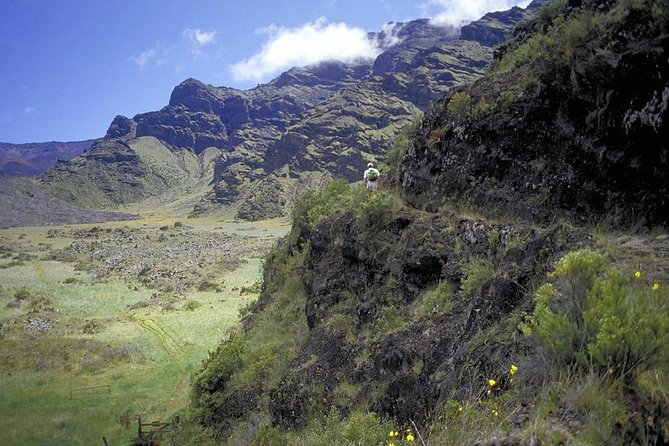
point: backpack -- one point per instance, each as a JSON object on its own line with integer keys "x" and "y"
{"x": 372, "y": 175}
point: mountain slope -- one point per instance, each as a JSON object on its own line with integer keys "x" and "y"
{"x": 37, "y": 158}
{"x": 275, "y": 139}
{"x": 238, "y": 124}
{"x": 23, "y": 203}
{"x": 117, "y": 171}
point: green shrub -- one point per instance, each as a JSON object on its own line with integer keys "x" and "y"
{"x": 314, "y": 206}
{"x": 192, "y": 305}
{"x": 481, "y": 109}
{"x": 551, "y": 10}
{"x": 372, "y": 209}
{"x": 599, "y": 403}
{"x": 22, "y": 294}
{"x": 252, "y": 289}
{"x": 395, "y": 154}
{"x": 390, "y": 320}
{"x": 596, "y": 319}
{"x": 435, "y": 301}
{"x": 476, "y": 272}
{"x": 595, "y": 403}
{"x": 593, "y": 314}
{"x": 461, "y": 423}
{"x": 360, "y": 428}
{"x": 189, "y": 432}
{"x": 40, "y": 302}
{"x": 220, "y": 365}
{"x": 459, "y": 106}
{"x": 92, "y": 326}
{"x": 257, "y": 358}
{"x": 208, "y": 285}
{"x": 269, "y": 435}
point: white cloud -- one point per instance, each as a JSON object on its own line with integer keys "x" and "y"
{"x": 459, "y": 12}
{"x": 198, "y": 39}
{"x": 312, "y": 43}
{"x": 29, "y": 110}
{"x": 391, "y": 33}
{"x": 191, "y": 46}
{"x": 145, "y": 57}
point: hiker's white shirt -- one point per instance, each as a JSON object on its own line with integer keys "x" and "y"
{"x": 373, "y": 185}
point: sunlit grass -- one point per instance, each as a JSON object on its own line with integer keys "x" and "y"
{"x": 41, "y": 382}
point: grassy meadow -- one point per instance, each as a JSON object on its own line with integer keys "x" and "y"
{"x": 102, "y": 322}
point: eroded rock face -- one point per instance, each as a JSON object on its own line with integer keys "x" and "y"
{"x": 121, "y": 127}
{"x": 364, "y": 281}
{"x": 359, "y": 272}
{"x": 586, "y": 140}
{"x": 492, "y": 29}
{"x": 180, "y": 127}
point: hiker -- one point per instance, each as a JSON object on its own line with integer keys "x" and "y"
{"x": 372, "y": 178}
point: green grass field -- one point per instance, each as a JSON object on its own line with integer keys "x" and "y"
{"x": 87, "y": 343}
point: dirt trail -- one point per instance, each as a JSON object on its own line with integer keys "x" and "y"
{"x": 169, "y": 345}
{"x": 646, "y": 253}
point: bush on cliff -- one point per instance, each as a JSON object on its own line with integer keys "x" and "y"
{"x": 611, "y": 330}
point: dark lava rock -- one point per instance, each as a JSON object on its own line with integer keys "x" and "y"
{"x": 575, "y": 140}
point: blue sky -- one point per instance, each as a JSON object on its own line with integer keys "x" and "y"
{"x": 67, "y": 67}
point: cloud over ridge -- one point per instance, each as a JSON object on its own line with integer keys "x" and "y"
{"x": 314, "y": 42}
{"x": 459, "y": 12}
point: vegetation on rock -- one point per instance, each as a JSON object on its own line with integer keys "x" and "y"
{"x": 510, "y": 328}
{"x": 555, "y": 129}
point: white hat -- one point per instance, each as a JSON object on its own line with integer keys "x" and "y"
{"x": 370, "y": 164}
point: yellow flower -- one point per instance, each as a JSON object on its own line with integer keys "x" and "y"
{"x": 393, "y": 434}
{"x": 513, "y": 369}
{"x": 460, "y": 409}
{"x": 637, "y": 274}
{"x": 656, "y": 286}
{"x": 492, "y": 382}
{"x": 410, "y": 437}
{"x": 495, "y": 413}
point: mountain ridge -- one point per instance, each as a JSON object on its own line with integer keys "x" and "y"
{"x": 36, "y": 158}
{"x": 260, "y": 130}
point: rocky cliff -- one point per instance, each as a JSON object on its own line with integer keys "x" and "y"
{"x": 556, "y": 128}
{"x": 512, "y": 325}
{"x": 393, "y": 307}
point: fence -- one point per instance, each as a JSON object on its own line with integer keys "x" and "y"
{"x": 83, "y": 392}
{"x": 145, "y": 431}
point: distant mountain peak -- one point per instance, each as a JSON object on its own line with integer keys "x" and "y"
{"x": 325, "y": 119}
